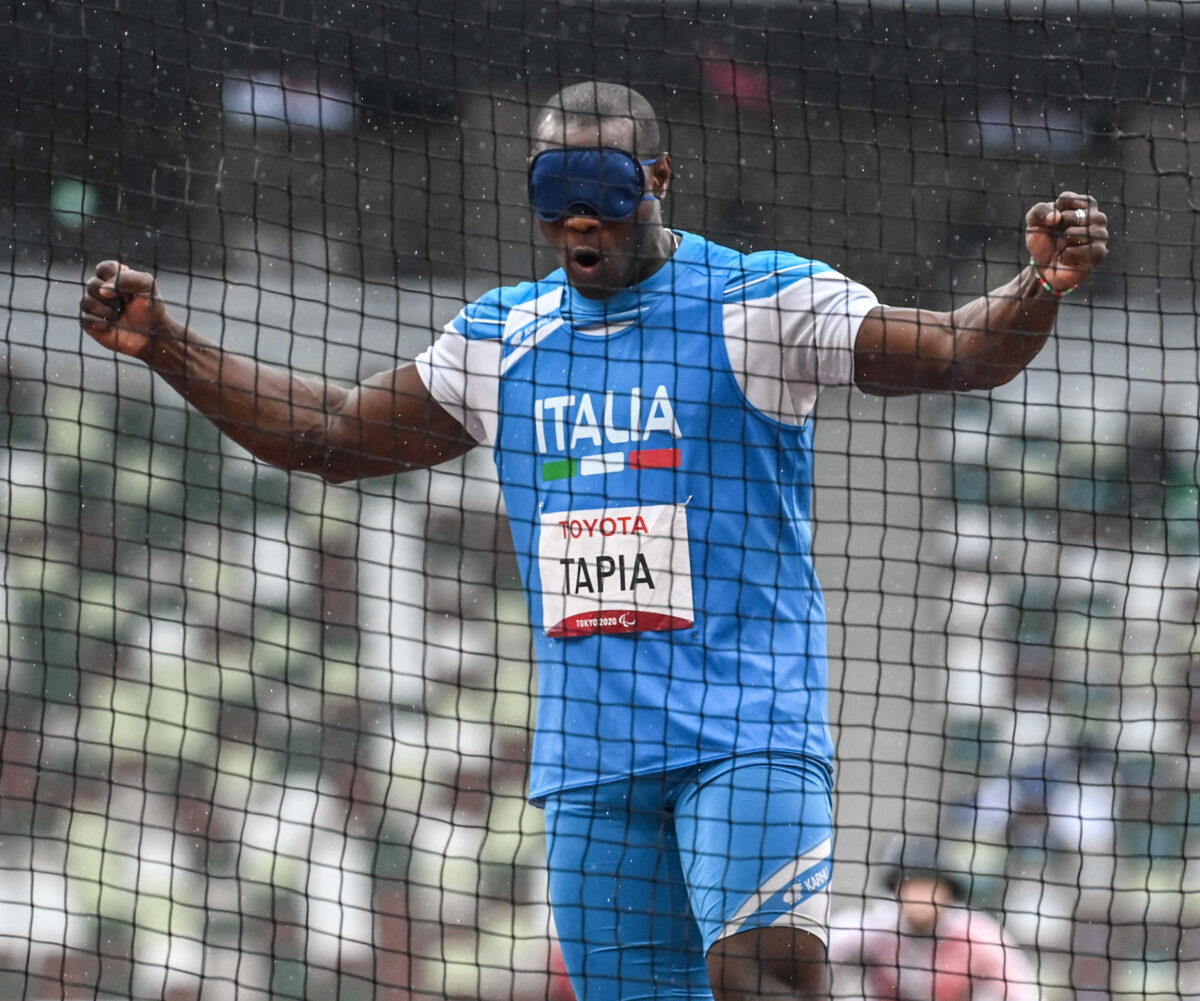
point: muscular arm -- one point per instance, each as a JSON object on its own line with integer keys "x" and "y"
{"x": 387, "y": 424}
{"x": 981, "y": 345}
{"x": 988, "y": 341}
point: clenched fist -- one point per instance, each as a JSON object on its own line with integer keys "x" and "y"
{"x": 121, "y": 310}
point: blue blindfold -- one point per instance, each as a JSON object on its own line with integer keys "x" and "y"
{"x": 599, "y": 181}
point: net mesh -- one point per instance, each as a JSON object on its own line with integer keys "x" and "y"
{"x": 266, "y": 736}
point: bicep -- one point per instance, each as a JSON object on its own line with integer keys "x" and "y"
{"x": 903, "y": 351}
{"x": 394, "y": 424}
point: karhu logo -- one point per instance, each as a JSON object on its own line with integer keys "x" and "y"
{"x": 810, "y": 882}
{"x": 520, "y": 336}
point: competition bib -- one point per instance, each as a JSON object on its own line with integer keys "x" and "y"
{"x": 615, "y": 570}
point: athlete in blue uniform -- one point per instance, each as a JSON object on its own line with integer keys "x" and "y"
{"x": 648, "y": 405}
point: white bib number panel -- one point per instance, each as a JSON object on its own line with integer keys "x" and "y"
{"x": 615, "y": 570}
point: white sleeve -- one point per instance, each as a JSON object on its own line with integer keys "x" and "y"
{"x": 789, "y": 344}
{"x": 463, "y": 375}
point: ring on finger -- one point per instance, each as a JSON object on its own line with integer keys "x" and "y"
{"x": 1080, "y": 216}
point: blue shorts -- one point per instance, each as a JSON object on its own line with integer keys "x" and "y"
{"x": 648, "y": 872}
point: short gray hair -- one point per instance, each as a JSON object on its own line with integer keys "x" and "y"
{"x": 594, "y": 101}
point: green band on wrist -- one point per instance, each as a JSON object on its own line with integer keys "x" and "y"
{"x": 1046, "y": 285}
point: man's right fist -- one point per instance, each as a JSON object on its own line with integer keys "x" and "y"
{"x": 121, "y": 309}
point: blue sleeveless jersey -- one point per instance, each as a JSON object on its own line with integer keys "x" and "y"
{"x": 662, "y": 524}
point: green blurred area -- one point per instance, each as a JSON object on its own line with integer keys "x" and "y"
{"x": 206, "y": 749}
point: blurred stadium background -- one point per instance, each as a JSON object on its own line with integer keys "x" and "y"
{"x": 265, "y": 737}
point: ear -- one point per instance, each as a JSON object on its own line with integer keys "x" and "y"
{"x": 660, "y": 175}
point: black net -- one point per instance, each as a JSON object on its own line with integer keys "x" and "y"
{"x": 268, "y": 736}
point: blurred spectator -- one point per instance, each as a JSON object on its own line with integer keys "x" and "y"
{"x": 924, "y": 944}
{"x": 727, "y": 76}
{"x": 295, "y": 97}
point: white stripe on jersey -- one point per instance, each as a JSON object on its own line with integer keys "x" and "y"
{"x": 786, "y": 347}
{"x": 527, "y": 345}
{"x": 731, "y": 289}
{"x": 454, "y": 368}
{"x": 526, "y": 314}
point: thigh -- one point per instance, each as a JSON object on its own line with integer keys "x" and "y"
{"x": 620, "y": 904}
{"x": 756, "y": 845}
{"x": 779, "y": 962}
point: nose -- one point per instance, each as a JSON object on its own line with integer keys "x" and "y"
{"x": 582, "y": 223}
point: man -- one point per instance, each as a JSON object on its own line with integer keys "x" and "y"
{"x": 648, "y": 405}
{"x": 925, "y": 945}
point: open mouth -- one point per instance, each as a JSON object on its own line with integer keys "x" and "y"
{"x": 585, "y": 257}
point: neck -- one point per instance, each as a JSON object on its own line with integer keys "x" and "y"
{"x": 660, "y": 245}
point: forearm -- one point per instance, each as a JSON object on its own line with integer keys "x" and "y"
{"x": 389, "y": 423}
{"x": 990, "y": 340}
{"x": 278, "y": 417}
{"x": 997, "y": 335}
{"x": 982, "y": 344}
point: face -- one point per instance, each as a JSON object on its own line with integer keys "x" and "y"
{"x": 920, "y": 898}
{"x": 602, "y": 256}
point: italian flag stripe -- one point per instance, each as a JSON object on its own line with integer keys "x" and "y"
{"x": 612, "y": 462}
{"x": 596, "y": 465}
{"x": 562, "y": 469}
{"x": 656, "y": 458}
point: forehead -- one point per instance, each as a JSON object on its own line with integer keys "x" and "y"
{"x": 554, "y": 129}
{"x": 921, "y": 884}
